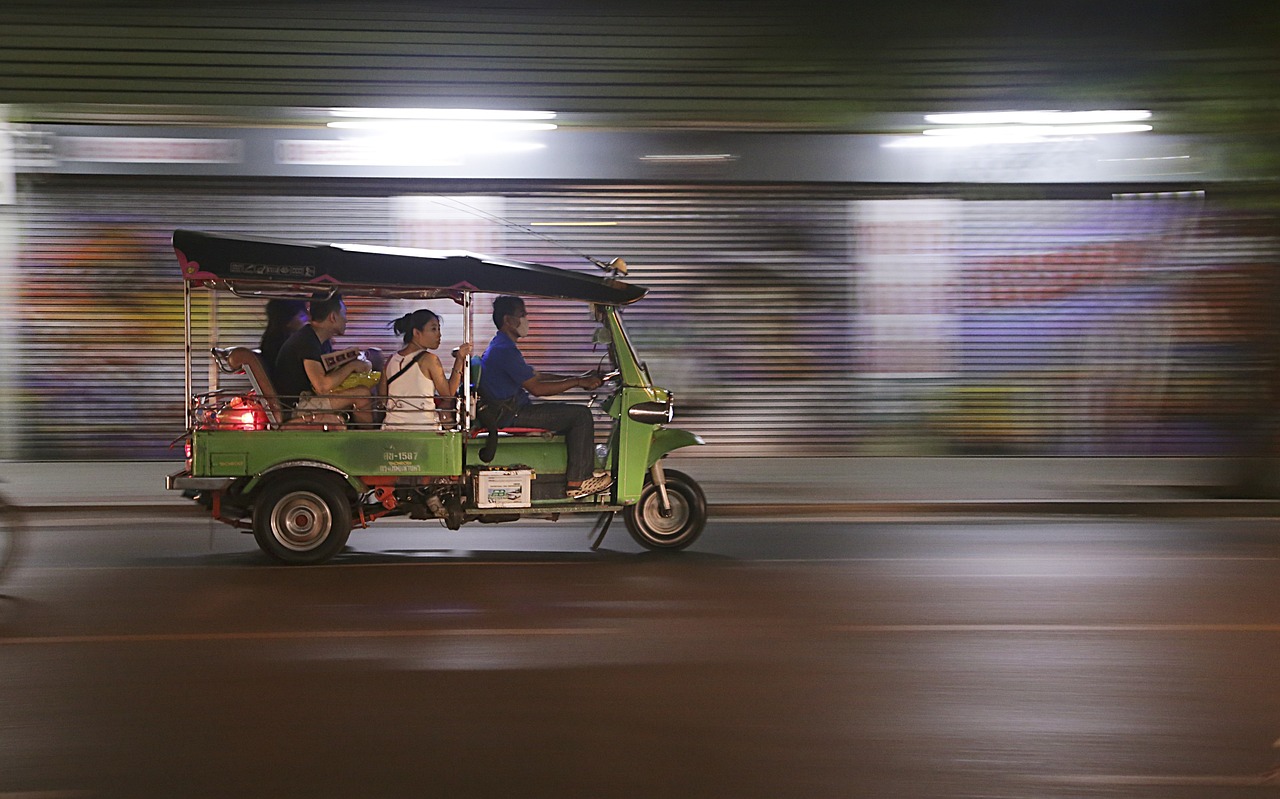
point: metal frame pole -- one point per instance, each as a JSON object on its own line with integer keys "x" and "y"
{"x": 465, "y": 416}
{"x": 186, "y": 351}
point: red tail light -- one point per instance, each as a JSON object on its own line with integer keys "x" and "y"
{"x": 242, "y": 413}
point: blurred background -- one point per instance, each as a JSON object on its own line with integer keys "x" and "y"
{"x": 846, "y": 259}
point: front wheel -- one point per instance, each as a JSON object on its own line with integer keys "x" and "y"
{"x": 302, "y": 519}
{"x": 688, "y": 515}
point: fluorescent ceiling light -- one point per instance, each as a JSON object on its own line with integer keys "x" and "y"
{"x": 573, "y": 224}
{"x": 1032, "y": 132}
{"x": 1037, "y": 117}
{"x": 469, "y": 114}
{"x": 453, "y": 126}
{"x": 690, "y": 158}
{"x": 1151, "y": 158}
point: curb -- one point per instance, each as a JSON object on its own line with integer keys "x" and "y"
{"x": 1173, "y": 508}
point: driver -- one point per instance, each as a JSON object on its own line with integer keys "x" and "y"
{"x": 506, "y": 381}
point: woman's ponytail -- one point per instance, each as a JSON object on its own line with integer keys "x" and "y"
{"x": 414, "y": 320}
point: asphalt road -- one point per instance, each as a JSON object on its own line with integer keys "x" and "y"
{"x": 970, "y": 658}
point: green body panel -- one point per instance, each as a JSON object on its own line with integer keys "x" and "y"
{"x": 543, "y": 455}
{"x": 636, "y": 445}
{"x": 235, "y": 453}
{"x": 628, "y": 368}
{"x": 639, "y": 447}
{"x": 666, "y": 439}
{"x": 632, "y": 442}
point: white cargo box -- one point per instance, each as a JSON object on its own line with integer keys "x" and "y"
{"x": 503, "y": 489}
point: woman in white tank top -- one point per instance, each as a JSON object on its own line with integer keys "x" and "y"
{"x": 414, "y": 376}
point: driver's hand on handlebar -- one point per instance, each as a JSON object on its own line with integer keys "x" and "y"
{"x": 590, "y": 381}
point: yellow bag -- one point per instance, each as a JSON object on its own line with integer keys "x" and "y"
{"x": 361, "y": 380}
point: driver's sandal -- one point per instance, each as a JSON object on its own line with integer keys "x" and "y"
{"x": 592, "y": 485}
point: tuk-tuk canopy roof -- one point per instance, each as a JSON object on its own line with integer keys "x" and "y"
{"x": 252, "y": 265}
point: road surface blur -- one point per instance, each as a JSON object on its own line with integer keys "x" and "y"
{"x": 979, "y": 658}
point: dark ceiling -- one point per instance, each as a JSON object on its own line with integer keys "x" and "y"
{"x": 735, "y": 65}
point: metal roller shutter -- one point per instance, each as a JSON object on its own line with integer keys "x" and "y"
{"x": 99, "y": 307}
{"x": 1132, "y": 326}
{"x": 787, "y": 321}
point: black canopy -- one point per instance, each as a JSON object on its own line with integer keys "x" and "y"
{"x": 266, "y": 266}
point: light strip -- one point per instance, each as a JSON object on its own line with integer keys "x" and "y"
{"x": 468, "y": 114}
{"x": 573, "y": 224}
{"x": 692, "y": 158}
{"x": 1151, "y": 158}
{"x": 1026, "y": 132}
{"x": 1037, "y": 117}
{"x": 444, "y": 125}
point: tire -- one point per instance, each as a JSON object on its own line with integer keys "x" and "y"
{"x": 688, "y": 514}
{"x": 302, "y": 518}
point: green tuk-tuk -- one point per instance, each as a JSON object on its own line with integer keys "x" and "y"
{"x": 301, "y": 481}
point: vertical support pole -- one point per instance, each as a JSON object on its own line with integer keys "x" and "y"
{"x": 464, "y": 417}
{"x": 10, "y": 279}
{"x": 215, "y": 376}
{"x": 186, "y": 350}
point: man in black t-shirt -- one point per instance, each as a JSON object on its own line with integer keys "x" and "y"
{"x": 301, "y": 381}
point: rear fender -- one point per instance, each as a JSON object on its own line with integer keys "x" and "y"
{"x": 253, "y": 483}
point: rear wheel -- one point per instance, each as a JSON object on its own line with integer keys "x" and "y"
{"x": 302, "y": 518}
{"x": 678, "y": 530}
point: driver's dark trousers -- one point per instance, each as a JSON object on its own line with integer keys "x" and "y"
{"x": 574, "y": 421}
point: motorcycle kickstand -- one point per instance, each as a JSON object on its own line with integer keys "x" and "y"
{"x": 601, "y": 527}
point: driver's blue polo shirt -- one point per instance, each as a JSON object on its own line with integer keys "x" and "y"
{"x": 503, "y": 372}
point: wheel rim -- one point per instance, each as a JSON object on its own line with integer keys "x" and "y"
{"x": 301, "y": 521}
{"x": 663, "y": 527}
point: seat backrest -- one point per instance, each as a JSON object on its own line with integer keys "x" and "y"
{"x": 243, "y": 359}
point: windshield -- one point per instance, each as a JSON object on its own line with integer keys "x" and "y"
{"x": 625, "y": 352}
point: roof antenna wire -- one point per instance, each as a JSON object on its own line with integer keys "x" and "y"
{"x": 616, "y": 266}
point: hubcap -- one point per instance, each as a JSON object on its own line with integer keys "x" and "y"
{"x": 301, "y": 521}
{"x": 665, "y": 526}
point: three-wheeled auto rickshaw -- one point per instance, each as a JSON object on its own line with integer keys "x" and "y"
{"x": 300, "y": 481}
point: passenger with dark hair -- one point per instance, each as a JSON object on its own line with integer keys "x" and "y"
{"x": 284, "y": 318}
{"x": 301, "y": 380}
{"x": 507, "y": 381}
{"x": 414, "y": 376}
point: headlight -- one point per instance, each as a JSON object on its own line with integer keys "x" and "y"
{"x": 651, "y": 412}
